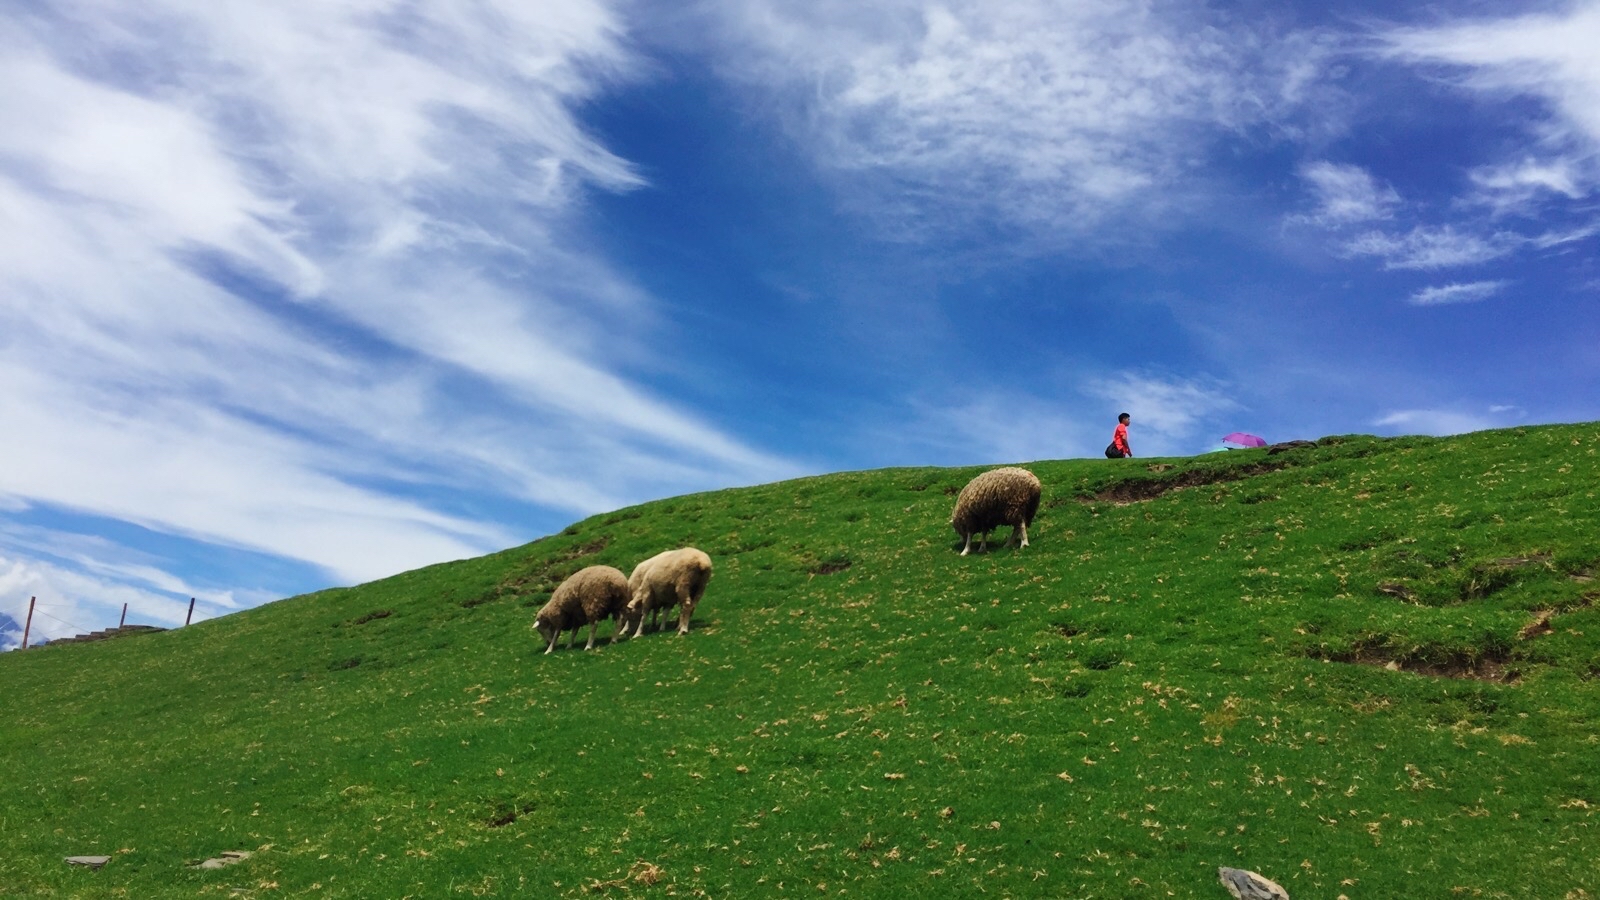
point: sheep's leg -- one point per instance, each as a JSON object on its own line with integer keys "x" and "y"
{"x": 968, "y": 545}
{"x": 1022, "y": 527}
{"x": 555, "y": 636}
{"x": 685, "y": 610}
{"x": 983, "y": 543}
{"x": 644, "y": 616}
{"x": 573, "y": 641}
{"x": 593, "y": 627}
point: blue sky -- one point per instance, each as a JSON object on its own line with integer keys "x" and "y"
{"x": 299, "y": 296}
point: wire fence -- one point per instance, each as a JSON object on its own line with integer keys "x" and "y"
{"x": 36, "y": 609}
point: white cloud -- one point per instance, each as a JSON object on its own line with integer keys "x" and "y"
{"x": 1172, "y": 411}
{"x": 987, "y": 428}
{"x": 1431, "y": 247}
{"x": 1545, "y": 55}
{"x": 1467, "y": 292}
{"x": 83, "y": 580}
{"x": 1347, "y": 194}
{"x": 1435, "y": 422}
{"x": 1434, "y": 247}
{"x": 1172, "y": 416}
{"x": 1548, "y": 55}
{"x": 1044, "y": 115}
{"x": 310, "y": 281}
{"x": 1557, "y": 176}
{"x": 1551, "y": 239}
{"x": 1519, "y": 187}
{"x": 72, "y": 602}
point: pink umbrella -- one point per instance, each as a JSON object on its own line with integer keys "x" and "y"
{"x": 1244, "y": 440}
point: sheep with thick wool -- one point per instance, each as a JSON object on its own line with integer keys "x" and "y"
{"x": 1007, "y": 496}
{"x": 668, "y": 579}
{"x": 588, "y": 597}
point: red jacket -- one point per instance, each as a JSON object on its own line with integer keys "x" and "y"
{"x": 1119, "y": 440}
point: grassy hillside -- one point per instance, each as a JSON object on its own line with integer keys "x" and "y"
{"x": 1367, "y": 668}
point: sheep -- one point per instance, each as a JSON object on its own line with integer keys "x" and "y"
{"x": 587, "y": 597}
{"x": 1008, "y": 496}
{"x": 668, "y": 579}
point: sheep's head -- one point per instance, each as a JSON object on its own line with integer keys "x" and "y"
{"x": 546, "y": 629}
{"x": 629, "y": 616}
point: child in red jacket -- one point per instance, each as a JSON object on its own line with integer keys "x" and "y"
{"x": 1119, "y": 448}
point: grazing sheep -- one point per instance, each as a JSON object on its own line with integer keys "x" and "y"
{"x": 1008, "y": 496}
{"x": 587, "y": 597}
{"x": 673, "y": 578}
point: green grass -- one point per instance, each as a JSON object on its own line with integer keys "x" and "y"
{"x": 1244, "y": 671}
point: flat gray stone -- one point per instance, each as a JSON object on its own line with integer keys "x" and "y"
{"x": 1245, "y": 885}
{"x": 228, "y": 858}
{"x": 93, "y": 862}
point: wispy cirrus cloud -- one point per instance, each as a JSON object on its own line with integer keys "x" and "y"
{"x": 68, "y": 601}
{"x": 1172, "y": 415}
{"x": 1346, "y": 194}
{"x": 1428, "y": 247}
{"x": 987, "y": 427}
{"x": 1437, "y": 422}
{"x": 1029, "y": 114}
{"x": 314, "y": 282}
{"x": 1546, "y": 55}
{"x": 1546, "y": 180}
{"x": 1460, "y": 292}
{"x": 1436, "y": 247}
{"x": 1518, "y": 187}
{"x": 1172, "y": 410}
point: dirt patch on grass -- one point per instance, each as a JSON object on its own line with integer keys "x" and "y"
{"x": 543, "y": 579}
{"x": 507, "y": 811}
{"x": 830, "y": 566}
{"x": 641, "y": 873}
{"x": 1487, "y": 665}
{"x": 1539, "y": 627}
{"x": 373, "y": 615}
{"x": 1397, "y": 591}
{"x": 1140, "y": 490}
{"x": 589, "y": 549}
{"x": 1489, "y": 577}
{"x": 1447, "y": 581}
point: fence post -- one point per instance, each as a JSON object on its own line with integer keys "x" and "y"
{"x": 28, "y": 627}
{"x": 190, "y": 616}
{"x": 124, "y": 620}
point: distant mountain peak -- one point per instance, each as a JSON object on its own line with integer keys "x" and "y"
{"x": 10, "y": 633}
